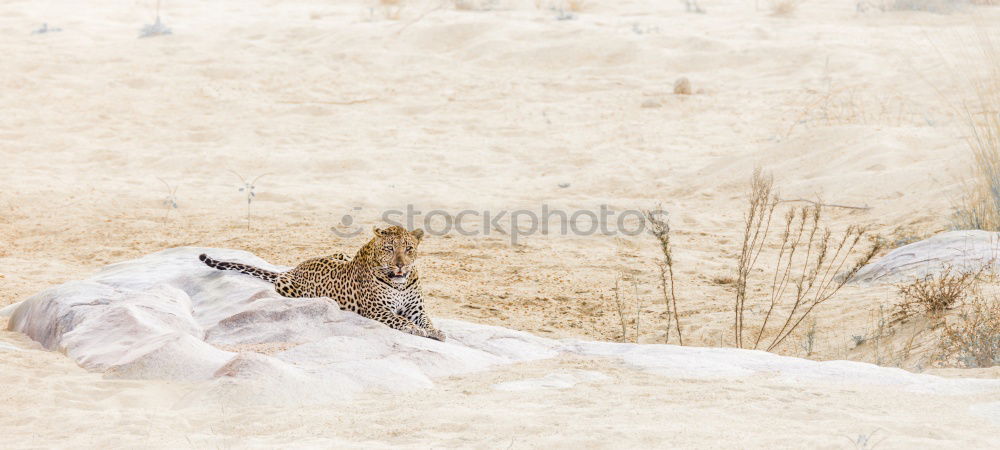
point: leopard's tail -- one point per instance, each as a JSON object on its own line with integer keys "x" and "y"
{"x": 266, "y": 275}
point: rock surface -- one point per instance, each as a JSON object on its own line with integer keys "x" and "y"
{"x": 167, "y": 316}
{"x": 959, "y": 251}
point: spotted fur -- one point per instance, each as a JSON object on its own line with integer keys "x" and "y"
{"x": 379, "y": 283}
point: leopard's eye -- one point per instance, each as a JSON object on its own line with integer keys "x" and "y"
{"x": 409, "y": 248}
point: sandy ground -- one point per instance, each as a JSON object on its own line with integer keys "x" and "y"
{"x": 59, "y": 403}
{"x": 349, "y": 109}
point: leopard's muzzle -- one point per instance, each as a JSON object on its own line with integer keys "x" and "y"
{"x": 397, "y": 274}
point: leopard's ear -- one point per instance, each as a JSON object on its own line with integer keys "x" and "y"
{"x": 418, "y": 234}
{"x": 378, "y": 231}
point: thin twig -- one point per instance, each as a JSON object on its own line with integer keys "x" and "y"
{"x": 249, "y": 188}
{"x": 666, "y": 297}
{"x": 673, "y": 299}
{"x": 171, "y": 201}
{"x": 638, "y": 307}
{"x": 620, "y": 306}
{"x": 831, "y": 205}
{"x": 661, "y": 231}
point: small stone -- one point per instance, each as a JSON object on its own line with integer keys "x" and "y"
{"x": 682, "y": 86}
{"x": 651, "y": 104}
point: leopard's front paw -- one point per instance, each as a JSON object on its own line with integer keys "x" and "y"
{"x": 435, "y": 334}
{"x": 416, "y": 331}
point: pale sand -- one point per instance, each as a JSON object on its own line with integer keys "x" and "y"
{"x": 472, "y": 109}
{"x": 57, "y": 403}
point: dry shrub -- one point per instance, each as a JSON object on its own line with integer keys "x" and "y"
{"x": 934, "y": 295}
{"x": 812, "y": 264}
{"x": 762, "y": 203}
{"x": 974, "y": 339}
{"x": 682, "y": 86}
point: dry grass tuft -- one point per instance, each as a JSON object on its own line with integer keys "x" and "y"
{"x": 974, "y": 339}
{"x": 934, "y": 295}
{"x": 979, "y": 206}
{"x": 854, "y": 105}
{"x": 811, "y": 267}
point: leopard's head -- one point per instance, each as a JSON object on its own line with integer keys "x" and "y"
{"x": 394, "y": 252}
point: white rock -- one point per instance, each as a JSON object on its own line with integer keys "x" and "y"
{"x": 168, "y": 316}
{"x": 960, "y": 251}
{"x": 6, "y": 311}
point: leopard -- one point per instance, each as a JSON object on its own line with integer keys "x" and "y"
{"x": 380, "y": 282}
